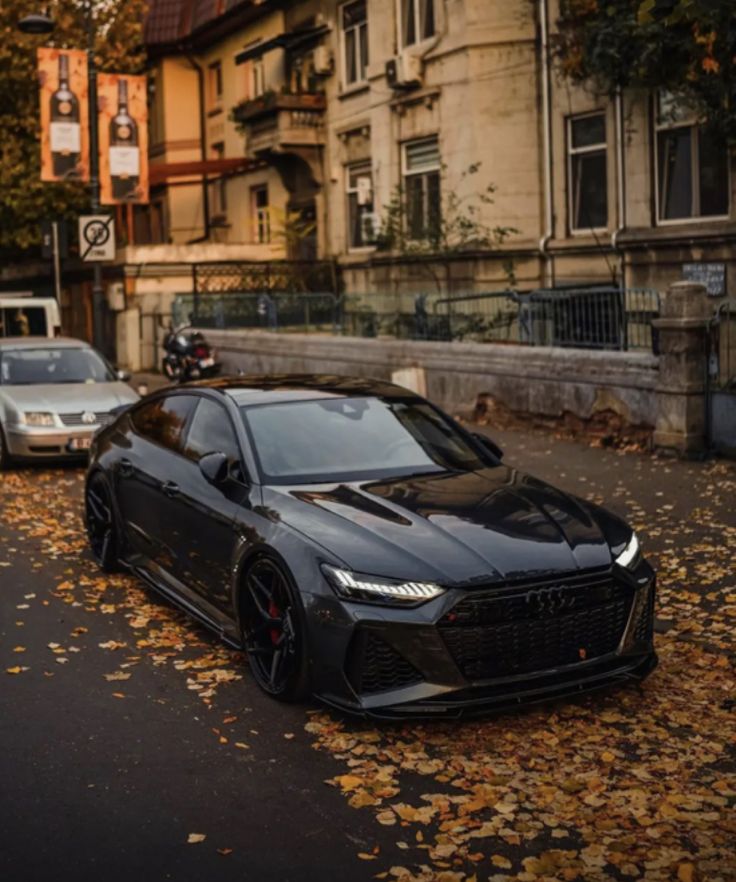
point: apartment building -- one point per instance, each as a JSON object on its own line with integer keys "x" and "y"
{"x": 286, "y": 129}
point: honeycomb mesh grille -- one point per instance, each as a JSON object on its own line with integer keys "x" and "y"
{"x": 375, "y": 666}
{"x": 535, "y": 628}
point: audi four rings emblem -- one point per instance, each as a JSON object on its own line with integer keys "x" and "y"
{"x": 549, "y": 600}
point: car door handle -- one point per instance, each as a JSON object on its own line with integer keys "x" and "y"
{"x": 170, "y": 488}
{"x": 125, "y": 467}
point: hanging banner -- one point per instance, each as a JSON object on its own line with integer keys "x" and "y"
{"x": 123, "y": 136}
{"x": 62, "y": 75}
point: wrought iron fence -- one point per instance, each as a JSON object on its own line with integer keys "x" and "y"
{"x": 590, "y": 318}
{"x": 260, "y": 276}
{"x": 283, "y": 311}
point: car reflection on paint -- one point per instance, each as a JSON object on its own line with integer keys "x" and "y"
{"x": 363, "y": 547}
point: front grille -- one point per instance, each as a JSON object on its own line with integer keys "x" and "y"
{"x": 374, "y": 666}
{"x": 519, "y": 629}
{"x": 75, "y": 419}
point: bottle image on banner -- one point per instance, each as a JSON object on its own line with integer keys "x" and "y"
{"x": 124, "y": 149}
{"x": 65, "y": 134}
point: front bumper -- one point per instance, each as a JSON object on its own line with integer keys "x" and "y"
{"x": 438, "y": 659}
{"x": 46, "y": 442}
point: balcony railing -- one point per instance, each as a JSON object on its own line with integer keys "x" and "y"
{"x": 307, "y": 104}
{"x": 278, "y": 121}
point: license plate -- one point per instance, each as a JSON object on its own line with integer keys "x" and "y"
{"x": 206, "y": 362}
{"x": 80, "y": 444}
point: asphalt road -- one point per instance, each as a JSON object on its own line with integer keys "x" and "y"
{"x": 125, "y": 728}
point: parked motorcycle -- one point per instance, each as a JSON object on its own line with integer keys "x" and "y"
{"x": 188, "y": 356}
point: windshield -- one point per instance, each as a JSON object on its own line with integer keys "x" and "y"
{"x": 348, "y": 439}
{"x": 30, "y": 367}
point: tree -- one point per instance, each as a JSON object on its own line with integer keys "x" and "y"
{"x": 458, "y": 228}
{"x": 687, "y": 47}
{"x": 26, "y": 201}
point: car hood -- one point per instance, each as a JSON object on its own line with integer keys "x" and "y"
{"x": 496, "y": 524}
{"x": 69, "y": 398}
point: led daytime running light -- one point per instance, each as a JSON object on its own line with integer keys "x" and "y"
{"x": 630, "y": 553}
{"x": 348, "y": 585}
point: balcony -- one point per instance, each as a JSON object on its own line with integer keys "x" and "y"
{"x": 277, "y": 122}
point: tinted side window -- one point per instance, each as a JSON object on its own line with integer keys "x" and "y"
{"x": 163, "y": 421}
{"x": 210, "y": 431}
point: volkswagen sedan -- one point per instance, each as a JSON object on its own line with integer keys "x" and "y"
{"x": 363, "y": 547}
{"x": 54, "y": 395}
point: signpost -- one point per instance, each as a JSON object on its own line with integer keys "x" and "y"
{"x": 712, "y": 275}
{"x": 96, "y": 237}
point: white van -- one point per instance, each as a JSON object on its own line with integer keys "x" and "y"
{"x": 22, "y": 315}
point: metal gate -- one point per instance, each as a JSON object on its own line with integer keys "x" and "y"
{"x": 722, "y": 379}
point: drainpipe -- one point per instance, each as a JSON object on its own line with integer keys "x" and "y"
{"x": 547, "y": 147}
{"x": 203, "y": 147}
{"x": 621, "y": 184}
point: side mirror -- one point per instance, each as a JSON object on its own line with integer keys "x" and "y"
{"x": 489, "y": 445}
{"x": 123, "y": 376}
{"x": 215, "y": 467}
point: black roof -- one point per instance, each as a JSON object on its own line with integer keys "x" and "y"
{"x": 264, "y": 389}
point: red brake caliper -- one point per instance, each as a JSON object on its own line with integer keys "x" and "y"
{"x": 274, "y": 612}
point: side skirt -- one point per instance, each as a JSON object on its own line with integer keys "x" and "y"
{"x": 191, "y": 609}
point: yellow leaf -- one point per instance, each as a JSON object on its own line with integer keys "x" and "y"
{"x": 242, "y": 745}
{"x": 15, "y": 670}
{"x": 193, "y": 838}
{"x": 19, "y": 649}
{"x": 349, "y": 782}
{"x": 224, "y": 851}
{"x": 366, "y": 857}
{"x": 498, "y": 860}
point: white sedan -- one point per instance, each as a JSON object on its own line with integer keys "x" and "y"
{"x": 54, "y": 395}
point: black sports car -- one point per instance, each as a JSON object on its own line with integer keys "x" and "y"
{"x": 362, "y": 546}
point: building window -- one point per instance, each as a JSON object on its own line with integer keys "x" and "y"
{"x": 214, "y": 84}
{"x": 218, "y": 188}
{"x": 587, "y": 172}
{"x": 254, "y": 81}
{"x": 692, "y": 165}
{"x": 359, "y": 188}
{"x": 417, "y": 21}
{"x": 422, "y": 188}
{"x": 261, "y": 215}
{"x": 355, "y": 41}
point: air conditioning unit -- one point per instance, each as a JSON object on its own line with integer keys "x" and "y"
{"x": 322, "y": 61}
{"x": 404, "y": 71}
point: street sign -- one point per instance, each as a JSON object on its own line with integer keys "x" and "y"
{"x": 712, "y": 275}
{"x": 97, "y": 237}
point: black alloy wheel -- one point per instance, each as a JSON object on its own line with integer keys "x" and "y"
{"x": 101, "y": 525}
{"x": 273, "y": 634}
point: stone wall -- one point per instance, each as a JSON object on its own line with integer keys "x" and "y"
{"x": 548, "y": 381}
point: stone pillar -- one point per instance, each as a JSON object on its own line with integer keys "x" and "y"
{"x": 681, "y": 406}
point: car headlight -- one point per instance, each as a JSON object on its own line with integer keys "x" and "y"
{"x": 629, "y": 557}
{"x": 376, "y": 589}
{"x": 38, "y": 418}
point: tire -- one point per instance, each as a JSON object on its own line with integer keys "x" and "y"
{"x": 169, "y": 371}
{"x": 101, "y": 524}
{"x": 273, "y": 630}
{"x": 5, "y": 458}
